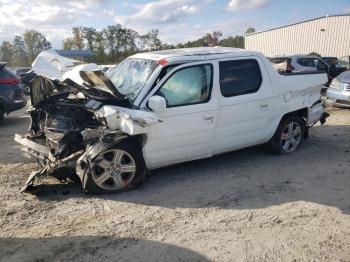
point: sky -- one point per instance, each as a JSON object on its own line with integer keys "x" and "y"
{"x": 177, "y": 20}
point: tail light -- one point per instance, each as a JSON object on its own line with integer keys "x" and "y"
{"x": 290, "y": 67}
{"x": 9, "y": 81}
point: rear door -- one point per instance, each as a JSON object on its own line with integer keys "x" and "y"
{"x": 186, "y": 130}
{"x": 245, "y": 104}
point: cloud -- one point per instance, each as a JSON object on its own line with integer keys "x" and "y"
{"x": 238, "y": 5}
{"x": 161, "y": 12}
{"x": 347, "y": 10}
{"x": 183, "y": 32}
{"x": 173, "y": 19}
{"x": 51, "y": 17}
{"x": 78, "y": 4}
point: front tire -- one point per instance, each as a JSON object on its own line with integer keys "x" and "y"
{"x": 119, "y": 168}
{"x": 288, "y": 136}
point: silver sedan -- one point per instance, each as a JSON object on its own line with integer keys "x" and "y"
{"x": 338, "y": 92}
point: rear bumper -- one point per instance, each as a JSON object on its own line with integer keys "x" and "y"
{"x": 338, "y": 97}
{"x": 317, "y": 113}
{"x": 13, "y": 105}
{"x": 17, "y": 104}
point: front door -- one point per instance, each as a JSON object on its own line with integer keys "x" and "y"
{"x": 186, "y": 130}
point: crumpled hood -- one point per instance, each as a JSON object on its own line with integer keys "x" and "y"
{"x": 55, "y": 67}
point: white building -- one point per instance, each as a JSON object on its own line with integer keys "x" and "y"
{"x": 327, "y": 36}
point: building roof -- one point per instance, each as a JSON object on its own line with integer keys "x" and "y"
{"x": 75, "y": 53}
{"x": 300, "y": 22}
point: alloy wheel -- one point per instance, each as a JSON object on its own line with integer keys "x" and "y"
{"x": 114, "y": 169}
{"x": 291, "y": 137}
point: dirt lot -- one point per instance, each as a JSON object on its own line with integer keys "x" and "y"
{"x": 242, "y": 206}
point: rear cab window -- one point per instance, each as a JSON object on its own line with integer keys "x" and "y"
{"x": 239, "y": 77}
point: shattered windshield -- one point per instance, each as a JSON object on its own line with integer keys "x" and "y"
{"x": 131, "y": 75}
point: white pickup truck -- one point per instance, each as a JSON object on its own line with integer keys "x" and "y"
{"x": 160, "y": 108}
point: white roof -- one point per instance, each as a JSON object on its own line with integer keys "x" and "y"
{"x": 292, "y": 24}
{"x": 195, "y": 51}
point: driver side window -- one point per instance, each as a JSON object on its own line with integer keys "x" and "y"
{"x": 187, "y": 86}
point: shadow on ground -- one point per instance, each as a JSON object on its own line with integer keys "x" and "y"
{"x": 92, "y": 248}
{"x": 245, "y": 179}
{"x": 16, "y": 122}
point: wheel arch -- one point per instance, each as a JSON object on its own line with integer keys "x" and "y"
{"x": 139, "y": 140}
{"x": 302, "y": 113}
{"x": 85, "y": 162}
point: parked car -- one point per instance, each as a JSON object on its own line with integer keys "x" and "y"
{"x": 160, "y": 108}
{"x": 335, "y": 68}
{"x": 300, "y": 63}
{"x": 338, "y": 92}
{"x": 344, "y": 61}
{"x": 21, "y": 70}
{"x": 12, "y": 96}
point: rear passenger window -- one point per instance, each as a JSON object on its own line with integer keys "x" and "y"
{"x": 239, "y": 77}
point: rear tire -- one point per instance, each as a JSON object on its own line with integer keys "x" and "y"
{"x": 117, "y": 169}
{"x": 288, "y": 136}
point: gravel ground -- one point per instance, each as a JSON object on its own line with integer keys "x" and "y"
{"x": 241, "y": 206}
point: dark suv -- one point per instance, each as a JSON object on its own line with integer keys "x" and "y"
{"x": 11, "y": 92}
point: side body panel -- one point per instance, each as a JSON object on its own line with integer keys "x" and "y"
{"x": 243, "y": 120}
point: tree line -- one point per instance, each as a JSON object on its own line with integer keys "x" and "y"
{"x": 23, "y": 49}
{"x": 109, "y": 45}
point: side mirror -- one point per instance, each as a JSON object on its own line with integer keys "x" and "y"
{"x": 157, "y": 104}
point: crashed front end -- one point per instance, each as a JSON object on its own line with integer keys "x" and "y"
{"x": 73, "y": 121}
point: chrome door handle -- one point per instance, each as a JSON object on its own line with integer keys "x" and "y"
{"x": 264, "y": 105}
{"x": 208, "y": 119}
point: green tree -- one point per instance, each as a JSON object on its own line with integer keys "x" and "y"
{"x": 213, "y": 38}
{"x": 250, "y": 30}
{"x": 131, "y": 39}
{"x": 89, "y": 34}
{"x": 78, "y": 39}
{"x": 35, "y": 43}
{"x": 6, "y": 51}
{"x": 112, "y": 42}
{"x": 237, "y": 41}
{"x": 99, "y": 46}
{"x": 68, "y": 43}
{"x": 151, "y": 40}
{"x": 19, "y": 52}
